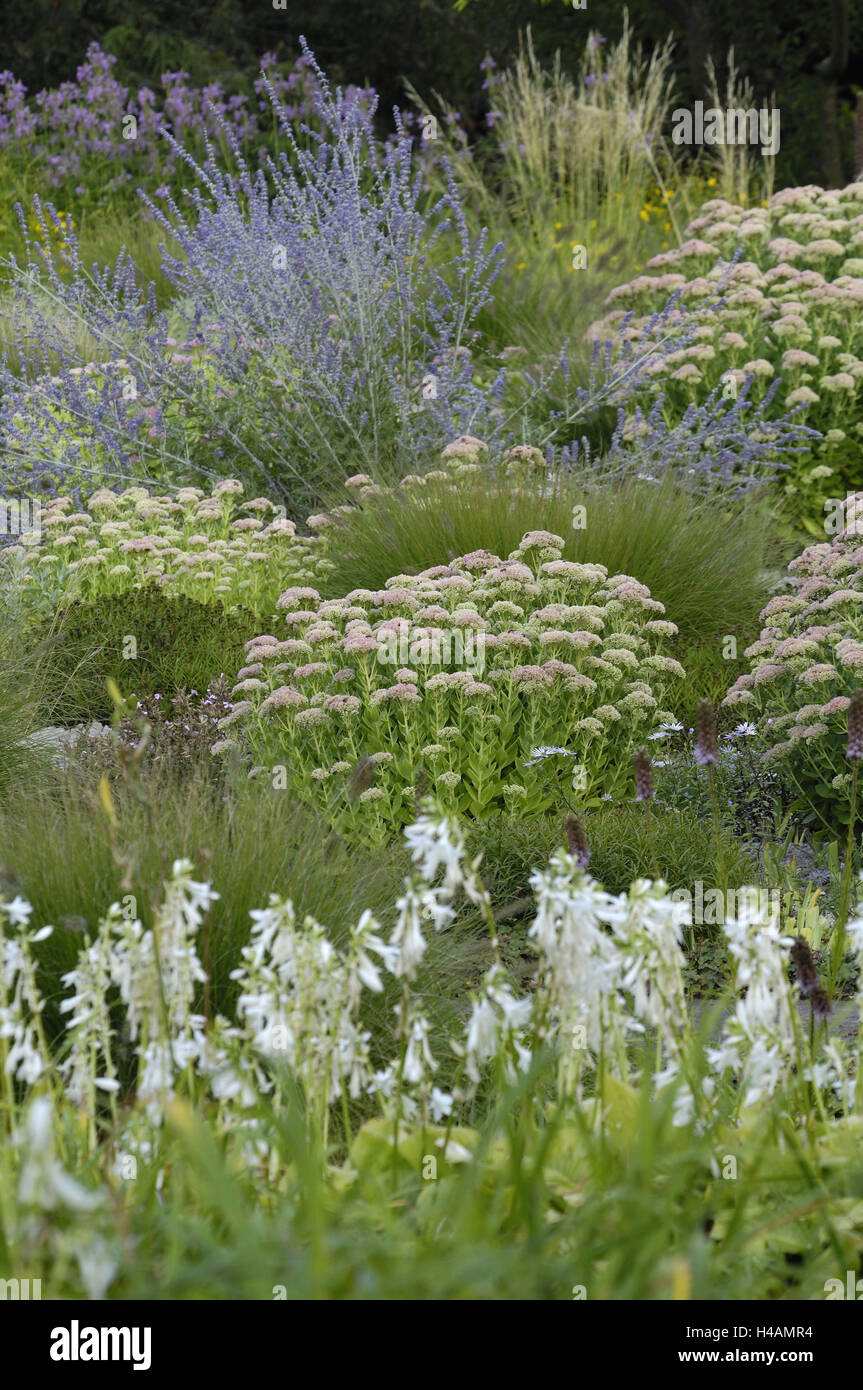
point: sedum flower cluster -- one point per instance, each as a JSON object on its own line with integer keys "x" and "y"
{"x": 807, "y": 661}
{"x": 461, "y": 671}
{"x": 789, "y": 317}
{"x": 212, "y": 546}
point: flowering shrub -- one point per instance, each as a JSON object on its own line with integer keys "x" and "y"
{"x": 805, "y": 664}
{"x": 463, "y": 669}
{"x": 206, "y": 546}
{"x": 331, "y": 310}
{"x": 181, "y": 730}
{"x": 790, "y": 315}
{"x": 75, "y": 132}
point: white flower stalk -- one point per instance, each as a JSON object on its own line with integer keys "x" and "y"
{"x": 300, "y": 999}
{"x": 363, "y": 971}
{"x": 393, "y": 1098}
{"x": 440, "y": 1104}
{"x": 832, "y": 1075}
{"x": 43, "y": 1181}
{"x": 649, "y": 935}
{"x": 495, "y": 1026}
{"x": 437, "y": 842}
{"x": 578, "y": 999}
{"x": 758, "y": 1043}
{"x": 407, "y": 943}
{"x": 182, "y": 912}
{"x": 419, "y": 1064}
{"x": 236, "y": 1077}
{"x": 157, "y": 973}
{"x": 89, "y": 1065}
{"x": 21, "y": 1005}
{"x": 155, "y": 1078}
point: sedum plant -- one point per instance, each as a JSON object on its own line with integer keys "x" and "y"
{"x": 461, "y": 671}
{"x": 789, "y": 321}
{"x": 804, "y": 667}
{"x": 209, "y": 547}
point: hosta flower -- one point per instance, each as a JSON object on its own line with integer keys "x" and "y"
{"x": 418, "y": 1062}
{"x": 43, "y": 1181}
{"x": 407, "y": 940}
{"x": 758, "y": 1042}
{"x": 496, "y": 1021}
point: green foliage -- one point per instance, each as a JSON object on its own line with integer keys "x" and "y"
{"x": 147, "y": 641}
{"x": 620, "y": 844}
{"x": 636, "y": 1210}
{"x": 682, "y": 547}
{"x": 753, "y": 796}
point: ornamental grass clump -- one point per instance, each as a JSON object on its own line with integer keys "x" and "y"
{"x": 462, "y": 670}
{"x": 789, "y": 323}
{"x": 805, "y": 668}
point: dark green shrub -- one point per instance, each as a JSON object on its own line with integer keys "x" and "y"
{"x": 149, "y": 642}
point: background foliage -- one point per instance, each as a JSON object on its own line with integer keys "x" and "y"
{"x": 435, "y": 45}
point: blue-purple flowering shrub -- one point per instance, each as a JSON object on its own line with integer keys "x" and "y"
{"x": 325, "y": 323}
{"x": 79, "y": 135}
{"x": 329, "y": 325}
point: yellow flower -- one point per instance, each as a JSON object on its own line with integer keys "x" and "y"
{"x": 711, "y": 183}
{"x": 644, "y": 215}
